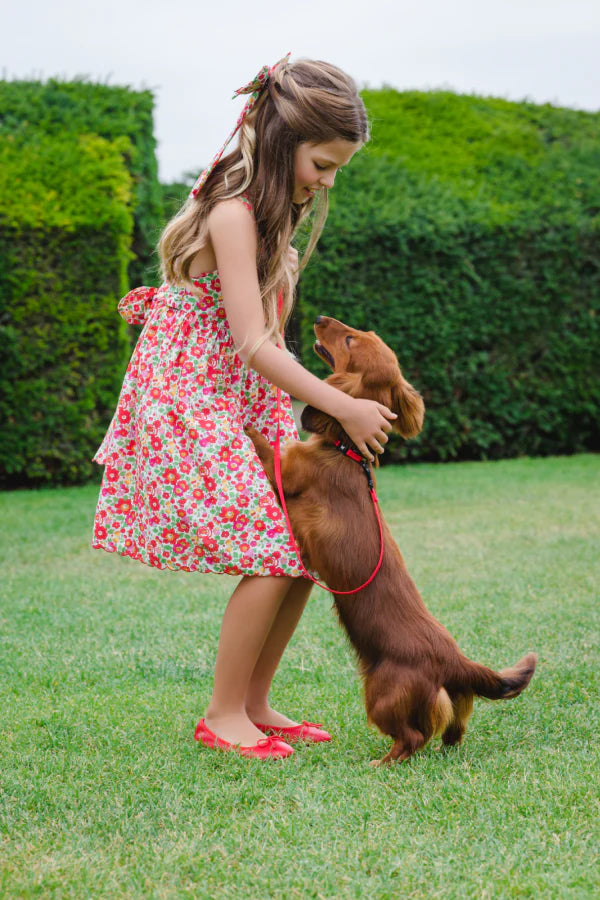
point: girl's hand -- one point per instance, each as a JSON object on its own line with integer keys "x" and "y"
{"x": 367, "y": 423}
{"x": 293, "y": 258}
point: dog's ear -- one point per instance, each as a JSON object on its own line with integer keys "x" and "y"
{"x": 408, "y": 405}
{"x": 314, "y": 420}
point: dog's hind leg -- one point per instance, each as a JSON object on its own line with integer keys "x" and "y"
{"x": 442, "y": 712}
{"x": 462, "y": 707}
{"x": 403, "y": 747}
{"x": 407, "y": 706}
{"x": 435, "y": 716}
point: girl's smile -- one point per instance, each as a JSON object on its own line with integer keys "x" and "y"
{"x": 316, "y": 165}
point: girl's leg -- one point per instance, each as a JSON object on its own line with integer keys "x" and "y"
{"x": 283, "y": 627}
{"x": 248, "y": 619}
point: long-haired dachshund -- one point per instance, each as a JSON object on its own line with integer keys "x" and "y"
{"x": 417, "y": 683}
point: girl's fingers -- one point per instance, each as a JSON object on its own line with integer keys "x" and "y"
{"x": 387, "y": 412}
{"x": 375, "y": 442}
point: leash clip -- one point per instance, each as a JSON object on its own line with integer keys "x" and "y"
{"x": 367, "y": 470}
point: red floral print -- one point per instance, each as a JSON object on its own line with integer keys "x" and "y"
{"x": 183, "y": 487}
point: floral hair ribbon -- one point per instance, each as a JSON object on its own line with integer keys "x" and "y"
{"x": 255, "y": 89}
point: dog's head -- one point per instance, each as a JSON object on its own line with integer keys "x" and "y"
{"x": 363, "y": 366}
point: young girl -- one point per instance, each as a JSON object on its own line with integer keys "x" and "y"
{"x": 183, "y": 487}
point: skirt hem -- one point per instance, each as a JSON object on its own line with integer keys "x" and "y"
{"x": 204, "y": 570}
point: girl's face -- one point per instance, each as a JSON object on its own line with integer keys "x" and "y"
{"x": 316, "y": 166}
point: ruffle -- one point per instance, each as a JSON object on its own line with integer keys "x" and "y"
{"x": 135, "y": 305}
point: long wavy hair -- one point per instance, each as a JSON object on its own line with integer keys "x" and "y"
{"x": 305, "y": 101}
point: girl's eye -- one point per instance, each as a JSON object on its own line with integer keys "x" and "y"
{"x": 320, "y": 168}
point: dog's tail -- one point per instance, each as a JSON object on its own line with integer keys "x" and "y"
{"x": 499, "y": 685}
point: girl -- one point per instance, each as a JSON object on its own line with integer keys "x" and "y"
{"x": 183, "y": 487}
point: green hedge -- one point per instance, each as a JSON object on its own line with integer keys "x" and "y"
{"x": 29, "y": 109}
{"x": 504, "y": 157}
{"x": 65, "y": 232}
{"x": 466, "y": 235}
{"x": 66, "y": 182}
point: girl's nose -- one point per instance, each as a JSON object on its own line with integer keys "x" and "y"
{"x": 328, "y": 180}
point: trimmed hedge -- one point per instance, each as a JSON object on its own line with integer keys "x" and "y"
{"x": 77, "y": 163}
{"x": 67, "y": 182}
{"x": 495, "y": 155}
{"x": 65, "y": 231}
{"x": 466, "y": 235}
{"x": 29, "y": 109}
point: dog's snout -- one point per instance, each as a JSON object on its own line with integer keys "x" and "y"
{"x": 318, "y": 320}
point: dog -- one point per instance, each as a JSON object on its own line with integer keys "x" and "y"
{"x": 417, "y": 683}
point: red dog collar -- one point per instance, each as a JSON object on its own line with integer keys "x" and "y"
{"x": 348, "y": 451}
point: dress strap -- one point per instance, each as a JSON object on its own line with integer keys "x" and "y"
{"x": 246, "y": 201}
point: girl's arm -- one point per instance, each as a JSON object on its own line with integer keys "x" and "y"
{"x": 232, "y": 231}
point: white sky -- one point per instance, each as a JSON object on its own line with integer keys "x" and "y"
{"x": 193, "y": 55}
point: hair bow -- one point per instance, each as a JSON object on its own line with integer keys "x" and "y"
{"x": 255, "y": 89}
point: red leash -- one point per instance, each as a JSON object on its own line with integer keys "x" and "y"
{"x": 277, "y": 461}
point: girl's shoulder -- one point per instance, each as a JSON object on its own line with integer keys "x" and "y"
{"x": 230, "y": 223}
{"x": 234, "y": 212}
{"x": 233, "y": 205}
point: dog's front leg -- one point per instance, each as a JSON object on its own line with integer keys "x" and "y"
{"x": 296, "y": 476}
{"x": 264, "y": 452}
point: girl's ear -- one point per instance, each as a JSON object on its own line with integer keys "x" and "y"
{"x": 408, "y": 405}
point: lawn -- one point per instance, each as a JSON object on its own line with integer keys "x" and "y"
{"x": 106, "y": 666}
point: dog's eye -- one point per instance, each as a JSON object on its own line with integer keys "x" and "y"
{"x": 348, "y": 339}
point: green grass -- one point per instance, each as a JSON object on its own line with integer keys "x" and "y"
{"x": 105, "y": 666}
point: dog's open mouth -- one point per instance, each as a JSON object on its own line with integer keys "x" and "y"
{"x": 324, "y": 354}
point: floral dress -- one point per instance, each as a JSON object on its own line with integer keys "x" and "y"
{"x": 183, "y": 487}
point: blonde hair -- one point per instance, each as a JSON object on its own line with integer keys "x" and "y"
{"x": 304, "y": 102}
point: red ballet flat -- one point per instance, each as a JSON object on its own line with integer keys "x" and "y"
{"x": 271, "y": 747}
{"x": 307, "y": 731}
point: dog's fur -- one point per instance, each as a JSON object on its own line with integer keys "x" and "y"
{"x": 417, "y": 683}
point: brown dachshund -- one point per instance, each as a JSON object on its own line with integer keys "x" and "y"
{"x": 417, "y": 683}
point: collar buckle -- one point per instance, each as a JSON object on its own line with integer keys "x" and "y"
{"x": 352, "y": 454}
